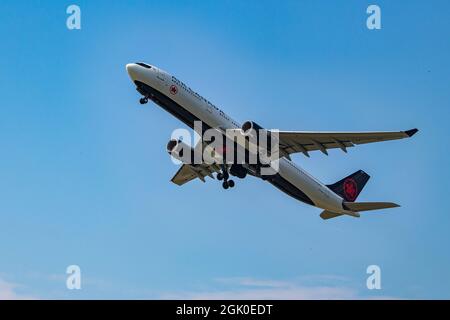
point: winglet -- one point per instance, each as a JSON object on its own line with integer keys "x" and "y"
{"x": 411, "y": 132}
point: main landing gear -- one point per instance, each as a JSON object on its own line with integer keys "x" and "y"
{"x": 143, "y": 100}
{"x": 224, "y": 175}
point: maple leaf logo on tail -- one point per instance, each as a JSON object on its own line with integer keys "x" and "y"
{"x": 350, "y": 187}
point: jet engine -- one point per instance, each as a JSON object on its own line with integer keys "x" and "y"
{"x": 262, "y": 137}
{"x": 238, "y": 170}
{"x": 181, "y": 151}
{"x": 250, "y": 128}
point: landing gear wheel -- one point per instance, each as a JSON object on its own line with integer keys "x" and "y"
{"x": 143, "y": 100}
{"x": 225, "y": 185}
{"x": 231, "y": 183}
{"x": 220, "y": 176}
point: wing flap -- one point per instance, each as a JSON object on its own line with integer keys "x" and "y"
{"x": 183, "y": 175}
{"x": 188, "y": 173}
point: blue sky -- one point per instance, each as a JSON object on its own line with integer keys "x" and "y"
{"x": 85, "y": 178}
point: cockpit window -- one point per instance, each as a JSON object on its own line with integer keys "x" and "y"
{"x": 143, "y": 65}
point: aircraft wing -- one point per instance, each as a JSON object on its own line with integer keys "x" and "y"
{"x": 188, "y": 172}
{"x": 303, "y": 141}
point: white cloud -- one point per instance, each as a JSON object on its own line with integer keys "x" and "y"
{"x": 293, "y": 293}
{"x": 337, "y": 288}
{"x": 8, "y": 291}
{"x": 249, "y": 288}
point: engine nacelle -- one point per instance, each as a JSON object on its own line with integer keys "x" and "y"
{"x": 254, "y": 130}
{"x": 181, "y": 151}
{"x": 238, "y": 170}
{"x": 259, "y": 135}
{"x": 250, "y": 127}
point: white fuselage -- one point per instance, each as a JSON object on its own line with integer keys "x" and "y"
{"x": 201, "y": 109}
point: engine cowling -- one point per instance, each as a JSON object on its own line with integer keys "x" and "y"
{"x": 259, "y": 135}
{"x": 180, "y": 151}
{"x": 238, "y": 170}
{"x": 250, "y": 127}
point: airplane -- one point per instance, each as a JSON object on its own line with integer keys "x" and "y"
{"x": 337, "y": 199}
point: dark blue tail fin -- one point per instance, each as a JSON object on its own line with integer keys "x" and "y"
{"x": 350, "y": 187}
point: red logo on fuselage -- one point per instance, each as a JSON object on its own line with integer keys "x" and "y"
{"x": 173, "y": 89}
{"x": 221, "y": 150}
{"x": 350, "y": 189}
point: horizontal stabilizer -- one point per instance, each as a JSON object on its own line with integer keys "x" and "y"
{"x": 367, "y": 206}
{"x": 325, "y": 215}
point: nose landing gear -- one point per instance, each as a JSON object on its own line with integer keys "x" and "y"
{"x": 143, "y": 100}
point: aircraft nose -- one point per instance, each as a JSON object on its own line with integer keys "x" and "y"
{"x": 132, "y": 70}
